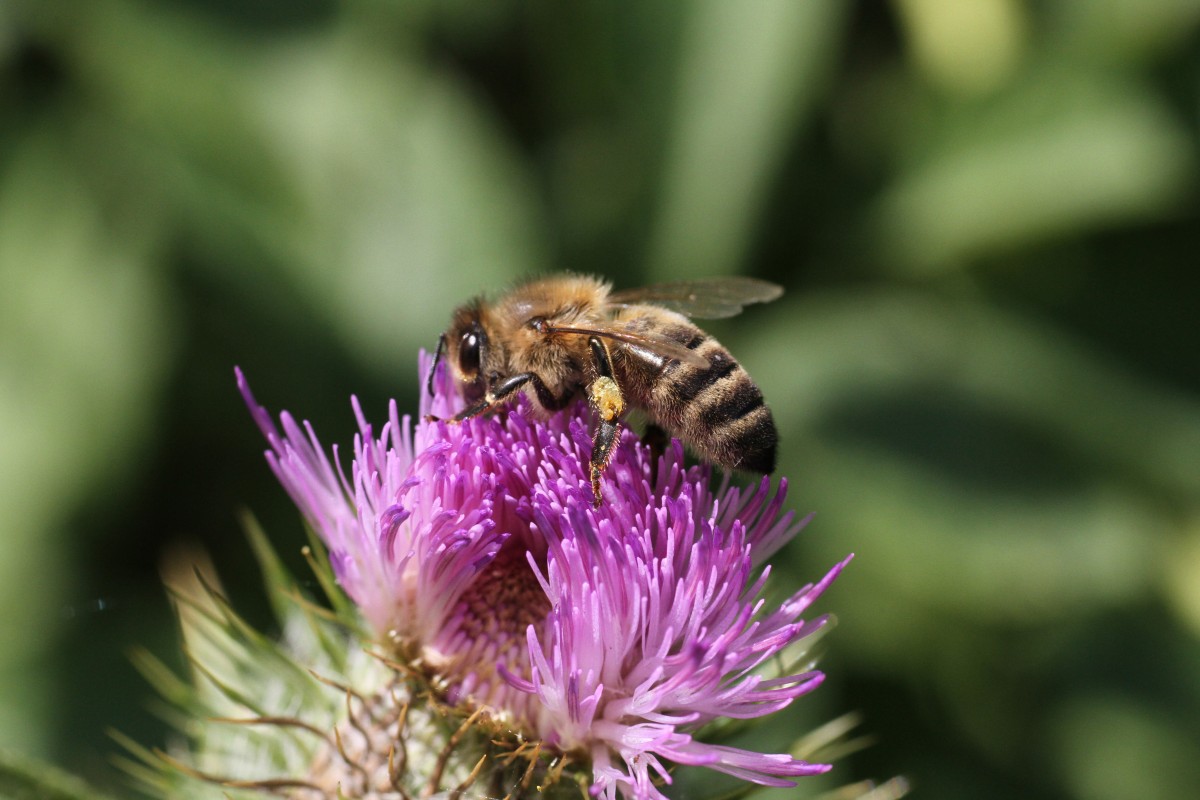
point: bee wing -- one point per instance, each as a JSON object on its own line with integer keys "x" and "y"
{"x": 647, "y": 340}
{"x": 711, "y": 298}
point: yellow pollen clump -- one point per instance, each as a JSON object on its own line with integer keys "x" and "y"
{"x": 606, "y": 397}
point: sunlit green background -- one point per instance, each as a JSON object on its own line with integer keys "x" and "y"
{"x": 986, "y": 368}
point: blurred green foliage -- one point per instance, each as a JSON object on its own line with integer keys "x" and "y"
{"x": 985, "y": 368}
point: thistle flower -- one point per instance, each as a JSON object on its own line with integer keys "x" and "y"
{"x": 593, "y": 643}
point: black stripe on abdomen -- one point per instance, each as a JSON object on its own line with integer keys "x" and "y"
{"x": 757, "y": 444}
{"x": 739, "y": 401}
{"x": 689, "y": 385}
{"x": 738, "y": 430}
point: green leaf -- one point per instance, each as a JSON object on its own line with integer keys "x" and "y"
{"x": 279, "y": 583}
{"x": 404, "y": 181}
{"x": 745, "y": 81}
{"x": 24, "y": 778}
{"x": 1063, "y": 152}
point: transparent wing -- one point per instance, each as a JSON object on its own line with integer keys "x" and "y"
{"x": 649, "y": 341}
{"x": 710, "y": 298}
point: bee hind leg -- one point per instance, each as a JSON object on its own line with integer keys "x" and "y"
{"x": 602, "y": 448}
{"x": 605, "y": 396}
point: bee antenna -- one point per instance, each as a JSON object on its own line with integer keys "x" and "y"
{"x": 437, "y": 359}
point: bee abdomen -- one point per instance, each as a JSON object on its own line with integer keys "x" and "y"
{"x": 721, "y": 413}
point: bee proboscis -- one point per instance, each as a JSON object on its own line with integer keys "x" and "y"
{"x": 560, "y": 336}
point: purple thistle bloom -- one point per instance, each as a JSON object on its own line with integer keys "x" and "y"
{"x": 475, "y": 552}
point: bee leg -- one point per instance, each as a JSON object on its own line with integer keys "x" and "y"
{"x": 546, "y": 398}
{"x": 495, "y": 396}
{"x": 602, "y": 447}
{"x": 605, "y": 396}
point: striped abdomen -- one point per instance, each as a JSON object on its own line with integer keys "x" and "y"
{"x": 716, "y": 410}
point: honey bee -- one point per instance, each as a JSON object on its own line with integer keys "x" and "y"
{"x": 558, "y": 337}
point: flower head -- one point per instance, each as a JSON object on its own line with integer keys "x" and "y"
{"x": 612, "y": 634}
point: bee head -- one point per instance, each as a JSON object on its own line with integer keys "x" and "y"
{"x": 464, "y": 346}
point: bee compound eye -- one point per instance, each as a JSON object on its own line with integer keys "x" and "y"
{"x": 468, "y": 353}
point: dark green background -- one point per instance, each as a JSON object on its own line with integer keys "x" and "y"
{"x": 985, "y": 367}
